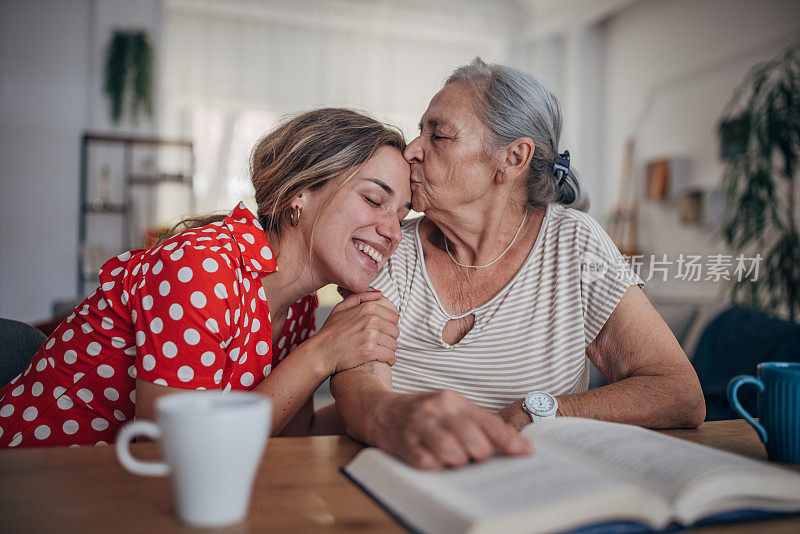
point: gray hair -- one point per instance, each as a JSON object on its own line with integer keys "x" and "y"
{"x": 513, "y": 104}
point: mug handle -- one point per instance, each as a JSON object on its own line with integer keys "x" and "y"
{"x": 138, "y": 467}
{"x": 733, "y": 388}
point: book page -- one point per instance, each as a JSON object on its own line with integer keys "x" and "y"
{"x": 658, "y": 462}
{"x": 507, "y": 484}
{"x": 554, "y": 488}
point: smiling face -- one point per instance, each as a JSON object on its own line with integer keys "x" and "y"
{"x": 450, "y": 163}
{"x": 357, "y": 227}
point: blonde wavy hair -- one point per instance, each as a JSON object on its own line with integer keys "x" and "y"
{"x": 305, "y": 152}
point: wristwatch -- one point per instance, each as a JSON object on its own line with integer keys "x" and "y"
{"x": 540, "y": 405}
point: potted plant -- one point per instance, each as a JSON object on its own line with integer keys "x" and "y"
{"x": 760, "y": 141}
{"x": 129, "y": 73}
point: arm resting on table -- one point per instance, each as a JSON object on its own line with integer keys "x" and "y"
{"x": 357, "y": 392}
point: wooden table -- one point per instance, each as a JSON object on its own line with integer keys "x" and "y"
{"x": 298, "y": 489}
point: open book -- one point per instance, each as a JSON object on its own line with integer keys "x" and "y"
{"x": 582, "y": 473}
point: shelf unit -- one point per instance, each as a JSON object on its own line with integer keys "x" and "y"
{"x": 122, "y": 209}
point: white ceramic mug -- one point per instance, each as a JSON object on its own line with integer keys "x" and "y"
{"x": 212, "y": 444}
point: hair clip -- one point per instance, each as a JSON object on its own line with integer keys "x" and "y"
{"x": 561, "y": 165}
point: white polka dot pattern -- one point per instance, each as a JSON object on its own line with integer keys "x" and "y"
{"x": 208, "y": 358}
{"x": 70, "y": 426}
{"x": 198, "y": 299}
{"x": 169, "y": 349}
{"x": 210, "y": 266}
{"x": 191, "y": 313}
{"x": 176, "y": 311}
{"x": 42, "y": 432}
{"x": 191, "y": 336}
{"x": 156, "y": 326}
{"x": 148, "y": 362}
{"x": 64, "y": 402}
{"x": 185, "y": 274}
{"x": 221, "y": 291}
{"x": 185, "y": 373}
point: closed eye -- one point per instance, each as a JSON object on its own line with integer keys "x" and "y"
{"x": 372, "y": 202}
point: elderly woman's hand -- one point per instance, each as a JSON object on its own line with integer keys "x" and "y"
{"x": 442, "y": 429}
{"x": 514, "y": 415}
{"x": 359, "y": 329}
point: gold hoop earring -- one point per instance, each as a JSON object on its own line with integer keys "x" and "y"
{"x": 294, "y": 216}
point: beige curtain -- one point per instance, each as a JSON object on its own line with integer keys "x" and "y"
{"x": 230, "y": 69}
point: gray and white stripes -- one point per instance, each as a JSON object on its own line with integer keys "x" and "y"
{"x": 531, "y": 336}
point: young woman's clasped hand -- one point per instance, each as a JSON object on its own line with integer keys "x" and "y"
{"x": 359, "y": 329}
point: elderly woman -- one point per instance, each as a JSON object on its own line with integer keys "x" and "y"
{"x": 504, "y": 289}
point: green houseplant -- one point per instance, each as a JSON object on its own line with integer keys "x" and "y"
{"x": 760, "y": 139}
{"x": 129, "y": 73}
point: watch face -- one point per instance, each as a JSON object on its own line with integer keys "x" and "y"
{"x": 541, "y": 403}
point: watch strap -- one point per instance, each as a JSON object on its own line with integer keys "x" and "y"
{"x": 534, "y": 416}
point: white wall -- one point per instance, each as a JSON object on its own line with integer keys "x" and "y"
{"x": 669, "y": 70}
{"x": 43, "y": 82}
{"x": 51, "y": 55}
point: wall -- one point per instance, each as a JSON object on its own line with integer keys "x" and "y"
{"x": 383, "y": 57}
{"x": 43, "y": 81}
{"x": 51, "y": 55}
{"x": 669, "y": 70}
{"x": 562, "y": 45}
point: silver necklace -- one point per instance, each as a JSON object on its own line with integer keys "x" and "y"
{"x": 494, "y": 260}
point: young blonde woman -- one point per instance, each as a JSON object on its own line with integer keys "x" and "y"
{"x": 230, "y": 304}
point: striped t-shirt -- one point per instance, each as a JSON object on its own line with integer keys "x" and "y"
{"x": 530, "y": 336}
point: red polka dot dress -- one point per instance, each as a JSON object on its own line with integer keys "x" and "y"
{"x": 190, "y": 313}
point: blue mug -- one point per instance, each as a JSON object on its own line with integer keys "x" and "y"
{"x": 778, "y": 408}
